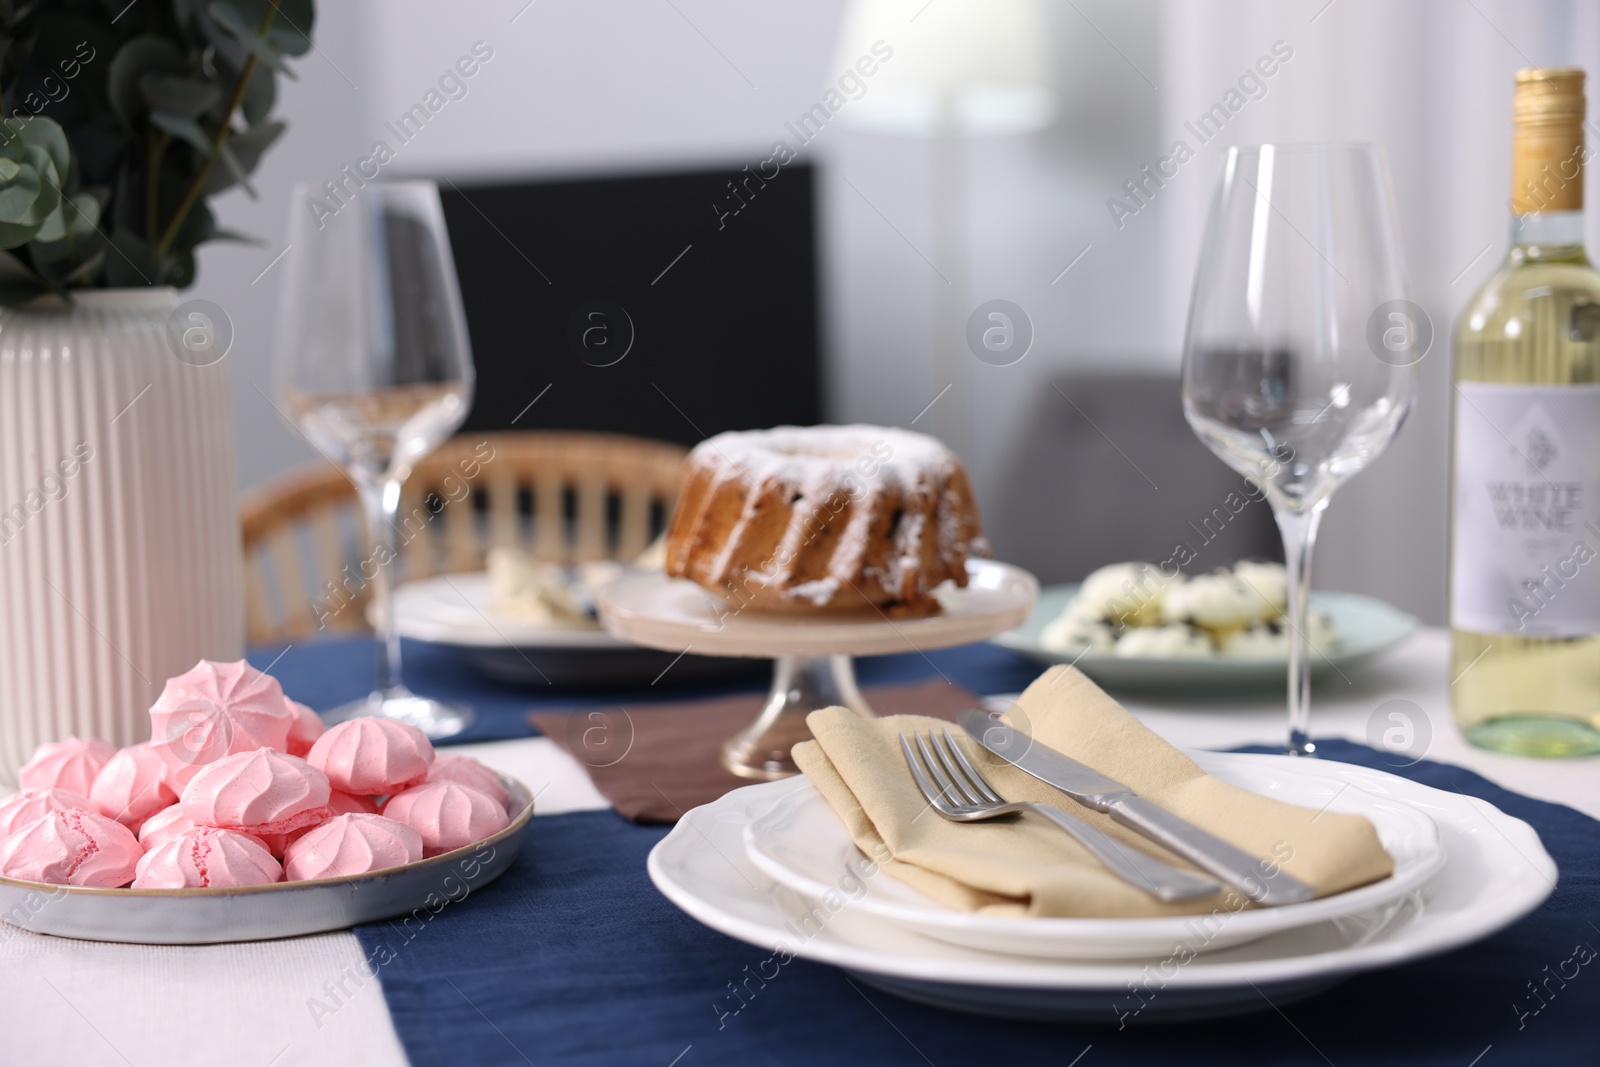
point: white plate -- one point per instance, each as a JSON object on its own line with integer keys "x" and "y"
{"x": 258, "y": 912}
{"x": 1495, "y": 872}
{"x": 669, "y": 613}
{"x": 458, "y": 610}
{"x": 802, "y": 844}
{"x": 1366, "y": 627}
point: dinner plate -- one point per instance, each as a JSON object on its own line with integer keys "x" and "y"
{"x": 803, "y": 845}
{"x": 283, "y": 909}
{"x": 458, "y": 610}
{"x": 1366, "y": 627}
{"x": 1495, "y": 872}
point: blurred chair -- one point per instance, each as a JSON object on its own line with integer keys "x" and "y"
{"x": 565, "y": 496}
{"x": 1109, "y": 470}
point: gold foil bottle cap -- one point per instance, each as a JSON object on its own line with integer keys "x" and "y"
{"x": 1547, "y": 150}
{"x": 1549, "y": 95}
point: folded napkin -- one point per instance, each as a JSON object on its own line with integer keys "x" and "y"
{"x": 1027, "y": 866}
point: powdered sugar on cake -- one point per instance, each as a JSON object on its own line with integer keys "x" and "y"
{"x": 863, "y": 493}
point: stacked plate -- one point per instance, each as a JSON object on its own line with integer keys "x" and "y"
{"x": 458, "y": 610}
{"x": 800, "y": 885}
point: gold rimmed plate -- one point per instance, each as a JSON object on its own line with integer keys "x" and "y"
{"x": 259, "y": 912}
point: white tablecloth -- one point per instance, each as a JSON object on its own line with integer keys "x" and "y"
{"x": 79, "y": 1002}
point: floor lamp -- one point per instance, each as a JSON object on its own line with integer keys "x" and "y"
{"x": 960, "y": 69}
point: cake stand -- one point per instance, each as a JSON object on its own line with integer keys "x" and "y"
{"x": 812, "y": 664}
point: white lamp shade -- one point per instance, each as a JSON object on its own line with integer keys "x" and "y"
{"x": 958, "y": 66}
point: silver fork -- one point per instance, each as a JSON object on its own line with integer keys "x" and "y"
{"x": 955, "y": 789}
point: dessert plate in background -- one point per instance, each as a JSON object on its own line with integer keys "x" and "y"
{"x": 802, "y": 845}
{"x": 1366, "y": 627}
{"x": 259, "y": 912}
{"x": 1495, "y": 872}
{"x": 457, "y": 610}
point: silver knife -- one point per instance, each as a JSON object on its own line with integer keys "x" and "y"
{"x": 1264, "y": 884}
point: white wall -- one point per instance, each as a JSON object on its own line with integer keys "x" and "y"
{"x": 595, "y": 85}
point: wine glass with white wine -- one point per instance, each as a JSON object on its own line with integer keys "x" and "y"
{"x": 375, "y": 368}
{"x": 1299, "y": 359}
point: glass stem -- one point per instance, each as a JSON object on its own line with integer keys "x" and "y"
{"x": 380, "y": 502}
{"x": 1299, "y": 530}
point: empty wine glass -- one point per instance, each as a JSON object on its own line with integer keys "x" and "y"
{"x": 1299, "y": 358}
{"x": 375, "y": 368}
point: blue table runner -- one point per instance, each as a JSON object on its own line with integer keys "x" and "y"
{"x": 327, "y": 673}
{"x": 573, "y": 958}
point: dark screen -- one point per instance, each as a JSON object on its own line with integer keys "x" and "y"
{"x": 555, "y": 276}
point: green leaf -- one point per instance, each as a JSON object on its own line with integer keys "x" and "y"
{"x": 228, "y": 17}
{"x": 77, "y": 267}
{"x": 259, "y": 95}
{"x": 8, "y": 170}
{"x": 17, "y": 198}
{"x": 139, "y": 57}
{"x": 16, "y": 234}
{"x": 237, "y": 169}
{"x": 85, "y": 271}
{"x": 183, "y": 97}
{"x": 49, "y": 197}
{"x": 42, "y": 133}
{"x": 236, "y": 236}
{"x": 290, "y": 32}
{"x": 186, "y": 130}
{"x": 74, "y": 218}
{"x": 248, "y": 148}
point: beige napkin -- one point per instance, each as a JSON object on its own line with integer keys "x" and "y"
{"x": 1025, "y": 865}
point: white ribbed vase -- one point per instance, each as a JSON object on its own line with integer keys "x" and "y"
{"x": 120, "y": 560}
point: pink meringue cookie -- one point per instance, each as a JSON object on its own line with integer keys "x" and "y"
{"x": 469, "y": 772}
{"x": 207, "y": 857}
{"x": 217, "y": 710}
{"x": 168, "y": 822}
{"x": 352, "y": 843}
{"x": 304, "y": 731}
{"x": 254, "y": 697}
{"x": 132, "y": 786}
{"x": 194, "y": 734}
{"x": 344, "y": 803}
{"x": 69, "y": 764}
{"x": 372, "y": 755}
{"x": 259, "y": 792}
{"x": 26, "y": 805}
{"x": 76, "y": 847}
{"x": 339, "y": 803}
{"x": 447, "y": 814}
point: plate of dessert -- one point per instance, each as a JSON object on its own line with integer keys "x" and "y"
{"x": 532, "y": 621}
{"x": 243, "y": 819}
{"x": 1133, "y": 626}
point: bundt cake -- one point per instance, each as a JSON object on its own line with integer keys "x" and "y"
{"x": 824, "y": 518}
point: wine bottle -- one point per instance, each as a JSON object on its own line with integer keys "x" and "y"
{"x": 1525, "y": 456}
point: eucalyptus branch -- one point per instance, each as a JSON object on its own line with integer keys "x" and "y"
{"x": 155, "y": 147}
{"x": 224, "y": 127}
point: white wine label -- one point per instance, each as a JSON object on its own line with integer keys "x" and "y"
{"x": 1526, "y": 543}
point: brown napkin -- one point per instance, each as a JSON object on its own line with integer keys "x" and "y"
{"x": 656, "y": 763}
{"x": 1026, "y": 866}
